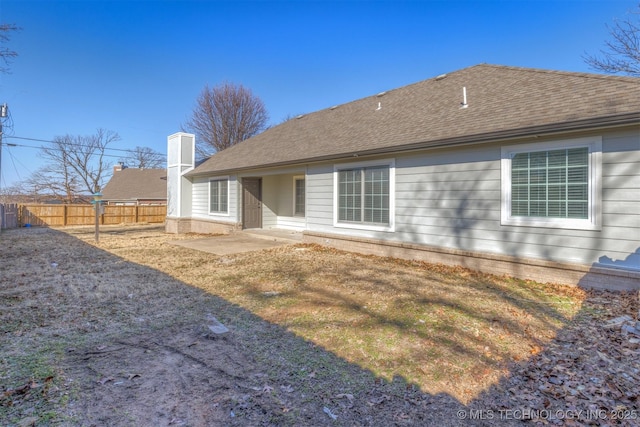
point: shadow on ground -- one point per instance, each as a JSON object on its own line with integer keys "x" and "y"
{"x": 131, "y": 347}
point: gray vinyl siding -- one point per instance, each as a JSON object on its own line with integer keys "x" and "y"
{"x": 277, "y": 200}
{"x": 200, "y": 194}
{"x": 319, "y": 189}
{"x": 270, "y": 192}
{"x": 451, "y": 198}
{"x": 621, "y": 200}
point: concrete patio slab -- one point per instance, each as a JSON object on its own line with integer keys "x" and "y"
{"x": 242, "y": 241}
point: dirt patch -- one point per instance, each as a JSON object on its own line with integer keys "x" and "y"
{"x": 118, "y": 335}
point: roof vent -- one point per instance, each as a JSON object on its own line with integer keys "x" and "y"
{"x": 300, "y": 116}
{"x": 381, "y": 94}
{"x": 334, "y": 107}
{"x": 379, "y": 106}
{"x": 440, "y": 77}
{"x": 464, "y": 98}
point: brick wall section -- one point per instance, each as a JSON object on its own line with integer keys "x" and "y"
{"x": 190, "y": 225}
{"x": 533, "y": 269}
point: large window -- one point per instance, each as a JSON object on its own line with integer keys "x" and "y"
{"x": 218, "y": 196}
{"x": 554, "y": 184}
{"x": 364, "y": 195}
{"x": 551, "y": 184}
{"x": 298, "y": 196}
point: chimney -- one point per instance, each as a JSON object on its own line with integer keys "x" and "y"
{"x": 119, "y": 167}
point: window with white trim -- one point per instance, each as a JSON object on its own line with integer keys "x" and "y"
{"x": 218, "y": 196}
{"x": 364, "y": 195}
{"x": 555, "y": 184}
{"x": 298, "y": 196}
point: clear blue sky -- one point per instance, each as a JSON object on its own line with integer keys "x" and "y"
{"x": 136, "y": 67}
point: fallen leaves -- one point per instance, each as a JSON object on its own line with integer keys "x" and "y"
{"x": 591, "y": 366}
{"x": 13, "y": 396}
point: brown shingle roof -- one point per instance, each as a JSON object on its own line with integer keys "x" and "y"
{"x": 136, "y": 184}
{"x": 502, "y": 102}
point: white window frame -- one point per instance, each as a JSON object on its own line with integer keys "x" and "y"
{"x": 391, "y": 164}
{"x": 295, "y": 180}
{"x": 218, "y": 178}
{"x": 594, "y": 218}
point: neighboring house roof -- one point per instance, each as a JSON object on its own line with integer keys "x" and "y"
{"x": 136, "y": 184}
{"x": 503, "y": 102}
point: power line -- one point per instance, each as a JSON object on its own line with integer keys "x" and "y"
{"x": 76, "y": 144}
{"x": 9, "y": 144}
{"x": 13, "y": 161}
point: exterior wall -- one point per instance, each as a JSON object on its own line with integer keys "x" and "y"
{"x": 291, "y": 223}
{"x": 621, "y": 200}
{"x": 177, "y": 225}
{"x": 285, "y": 199}
{"x": 448, "y": 209}
{"x": 451, "y": 199}
{"x": 180, "y": 159}
{"x": 204, "y": 226}
{"x": 277, "y": 198}
{"x": 319, "y": 189}
{"x": 270, "y": 192}
{"x": 201, "y": 226}
{"x": 200, "y": 207}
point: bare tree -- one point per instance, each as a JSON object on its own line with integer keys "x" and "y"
{"x": 13, "y": 194}
{"x": 54, "y": 182}
{"x": 225, "y": 115}
{"x": 77, "y": 163}
{"x": 6, "y": 54}
{"x": 623, "y": 50}
{"x": 144, "y": 158}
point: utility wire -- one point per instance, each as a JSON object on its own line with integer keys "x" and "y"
{"x": 72, "y": 144}
{"x": 9, "y": 144}
{"x": 13, "y": 162}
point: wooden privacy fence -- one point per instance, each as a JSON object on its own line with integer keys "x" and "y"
{"x": 62, "y": 215}
{"x": 8, "y": 215}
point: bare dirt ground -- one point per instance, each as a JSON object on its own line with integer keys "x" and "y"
{"x": 117, "y": 335}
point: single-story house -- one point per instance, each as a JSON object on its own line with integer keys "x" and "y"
{"x": 135, "y": 186}
{"x": 527, "y": 172}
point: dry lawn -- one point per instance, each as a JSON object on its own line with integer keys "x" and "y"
{"x": 115, "y": 333}
{"x": 444, "y": 329}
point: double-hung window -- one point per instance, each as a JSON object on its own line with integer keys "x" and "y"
{"x": 218, "y": 196}
{"x": 554, "y": 184}
{"x": 364, "y": 196}
{"x": 298, "y": 196}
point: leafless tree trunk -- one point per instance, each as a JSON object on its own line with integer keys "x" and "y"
{"x": 5, "y": 53}
{"x": 223, "y": 116}
{"x": 144, "y": 158}
{"x": 623, "y": 50}
{"x": 78, "y": 162}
